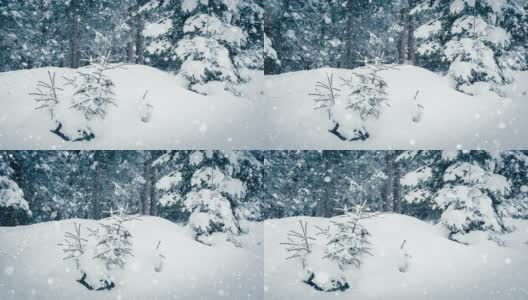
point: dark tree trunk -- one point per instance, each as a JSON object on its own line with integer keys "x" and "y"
{"x": 349, "y": 57}
{"x": 96, "y": 209}
{"x": 145, "y": 196}
{"x": 131, "y": 51}
{"x": 402, "y": 47}
{"x": 140, "y": 39}
{"x": 324, "y": 206}
{"x": 388, "y": 185}
{"x": 411, "y": 41}
{"x": 74, "y": 34}
{"x": 397, "y": 192}
{"x": 153, "y": 191}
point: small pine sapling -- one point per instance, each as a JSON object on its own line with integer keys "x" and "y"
{"x": 368, "y": 92}
{"x": 47, "y": 94}
{"x": 94, "y": 90}
{"x": 74, "y": 245}
{"x": 325, "y": 95}
{"x": 348, "y": 240}
{"x": 299, "y": 244}
{"x": 114, "y": 244}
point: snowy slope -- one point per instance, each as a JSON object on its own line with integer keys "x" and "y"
{"x": 439, "y": 268}
{"x": 180, "y": 118}
{"x": 31, "y": 265}
{"x": 450, "y": 118}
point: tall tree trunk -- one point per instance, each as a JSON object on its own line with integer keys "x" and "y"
{"x": 397, "y": 191}
{"x": 411, "y": 41}
{"x": 324, "y": 205}
{"x": 140, "y": 39}
{"x": 153, "y": 192}
{"x": 349, "y": 56}
{"x": 131, "y": 51}
{"x": 388, "y": 185}
{"x": 74, "y": 34}
{"x": 145, "y": 196}
{"x": 402, "y": 47}
{"x": 96, "y": 209}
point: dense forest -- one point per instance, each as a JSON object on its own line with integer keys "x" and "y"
{"x": 472, "y": 41}
{"x": 226, "y": 188}
{"x": 202, "y": 40}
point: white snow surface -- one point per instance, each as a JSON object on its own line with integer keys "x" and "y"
{"x": 449, "y": 119}
{"x": 275, "y": 112}
{"x": 179, "y": 118}
{"x": 437, "y": 269}
{"x": 31, "y": 264}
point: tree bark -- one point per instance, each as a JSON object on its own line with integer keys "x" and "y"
{"x": 411, "y": 41}
{"x": 96, "y": 209}
{"x": 388, "y": 185}
{"x": 74, "y": 34}
{"x": 145, "y": 201}
{"x": 153, "y": 192}
{"x": 140, "y": 39}
{"x": 324, "y": 207}
{"x": 131, "y": 53}
{"x": 348, "y": 62}
{"x": 397, "y": 191}
{"x": 402, "y": 47}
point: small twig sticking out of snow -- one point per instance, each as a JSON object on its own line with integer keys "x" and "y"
{"x": 158, "y": 267}
{"x": 146, "y": 114}
{"x": 403, "y": 244}
{"x": 417, "y": 115}
{"x": 405, "y": 259}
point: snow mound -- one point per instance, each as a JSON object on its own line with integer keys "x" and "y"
{"x": 178, "y": 118}
{"x": 438, "y": 268}
{"x": 448, "y": 119}
{"x": 31, "y": 264}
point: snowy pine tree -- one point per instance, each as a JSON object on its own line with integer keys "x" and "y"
{"x": 472, "y": 40}
{"x": 464, "y": 188}
{"x": 14, "y": 209}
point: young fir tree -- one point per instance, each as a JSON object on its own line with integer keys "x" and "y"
{"x": 460, "y": 190}
{"x": 348, "y": 239}
{"x": 473, "y": 42}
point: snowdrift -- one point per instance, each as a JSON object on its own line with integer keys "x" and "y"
{"x": 439, "y": 268}
{"x": 450, "y": 119}
{"x": 179, "y": 118}
{"x": 31, "y": 264}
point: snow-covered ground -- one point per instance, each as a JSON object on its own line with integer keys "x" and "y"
{"x": 31, "y": 264}
{"x": 439, "y": 268}
{"x": 450, "y": 119}
{"x": 274, "y": 112}
{"x": 180, "y": 118}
